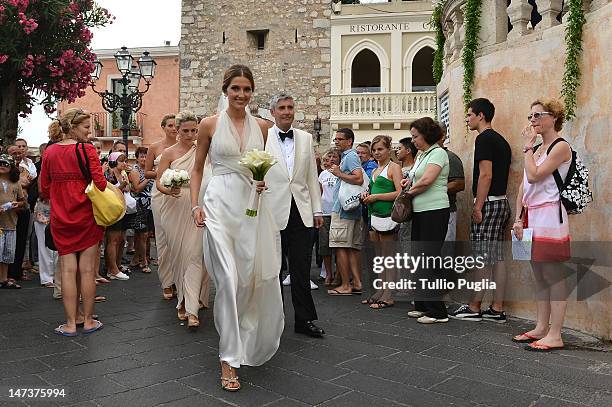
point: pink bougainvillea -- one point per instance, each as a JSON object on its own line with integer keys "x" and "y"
{"x": 49, "y": 50}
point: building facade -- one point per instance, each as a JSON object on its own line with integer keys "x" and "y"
{"x": 381, "y": 59}
{"x": 285, "y": 43}
{"x": 520, "y": 59}
{"x": 161, "y": 98}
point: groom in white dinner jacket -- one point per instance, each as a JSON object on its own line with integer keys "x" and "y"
{"x": 295, "y": 196}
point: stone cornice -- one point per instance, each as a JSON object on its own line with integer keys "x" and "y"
{"x": 163, "y": 51}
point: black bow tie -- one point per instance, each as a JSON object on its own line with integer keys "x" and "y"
{"x": 283, "y": 136}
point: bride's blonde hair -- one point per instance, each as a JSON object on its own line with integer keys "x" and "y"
{"x": 60, "y": 128}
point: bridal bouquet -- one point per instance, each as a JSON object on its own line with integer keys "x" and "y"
{"x": 258, "y": 162}
{"x": 174, "y": 178}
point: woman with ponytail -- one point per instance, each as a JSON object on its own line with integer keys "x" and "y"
{"x": 74, "y": 230}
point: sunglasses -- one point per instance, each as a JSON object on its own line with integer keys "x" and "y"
{"x": 5, "y": 164}
{"x": 537, "y": 115}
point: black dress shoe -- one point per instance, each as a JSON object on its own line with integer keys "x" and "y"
{"x": 310, "y": 329}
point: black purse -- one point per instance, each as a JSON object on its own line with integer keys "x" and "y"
{"x": 49, "y": 243}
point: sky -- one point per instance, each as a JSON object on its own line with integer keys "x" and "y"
{"x": 139, "y": 23}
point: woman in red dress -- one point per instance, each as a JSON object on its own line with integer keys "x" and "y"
{"x": 74, "y": 230}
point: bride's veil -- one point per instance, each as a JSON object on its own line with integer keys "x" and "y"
{"x": 223, "y": 103}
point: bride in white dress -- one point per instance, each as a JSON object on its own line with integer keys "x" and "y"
{"x": 242, "y": 254}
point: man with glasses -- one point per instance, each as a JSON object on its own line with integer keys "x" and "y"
{"x": 346, "y": 228}
{"x": 491, "y": 212}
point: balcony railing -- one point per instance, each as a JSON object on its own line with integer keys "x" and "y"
{"x": 104, "y": 124}
{"x": 382, "y": 107}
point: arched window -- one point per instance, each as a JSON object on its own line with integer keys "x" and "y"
{"x": 365, "y": 72}
{"x": 422, "y": 71}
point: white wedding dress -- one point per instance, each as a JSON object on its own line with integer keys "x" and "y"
{"x": 242, "y": 254}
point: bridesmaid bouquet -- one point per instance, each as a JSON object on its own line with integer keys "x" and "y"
{"x": 174, "y": 178}
{"x": 258, "y": 162}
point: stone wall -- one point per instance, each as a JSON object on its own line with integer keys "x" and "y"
{"x": 296, "y": 58}
{"x": 512, "y": 73}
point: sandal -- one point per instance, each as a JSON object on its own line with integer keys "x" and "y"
{"x": 526, "y": 338}
{"x": 229, "y": 380}
{"x": 60, "y": 331}
{"x": 9, "y": 285}
{"x": 48, "y": 285}
{"x": 181, "y": 314}
{"x": 538, "y": 347}
{"x": 336, "y": 293}
{"x": 193, "y": 322}
{"x": 369, "y": 301}
{"x": 381, "y": 305}
{"x": 168, "y": 293}
{"x": 99, "y": 325}
{"x": 145, "y": 269}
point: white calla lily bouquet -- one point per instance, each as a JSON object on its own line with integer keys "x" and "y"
{"x": 258, "y": 162}
{"x": 174, "y": 178}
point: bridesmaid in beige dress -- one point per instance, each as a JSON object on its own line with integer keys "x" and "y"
{"x": 183, "y": 238}
{"x": 164, "y": 271}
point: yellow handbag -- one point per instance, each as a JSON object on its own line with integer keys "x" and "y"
{"x": 108, "y": 205}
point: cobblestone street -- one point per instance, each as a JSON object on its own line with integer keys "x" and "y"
{"x": 145, "y": 357}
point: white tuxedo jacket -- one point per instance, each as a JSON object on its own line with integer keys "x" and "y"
{"x": 302, "y": 183}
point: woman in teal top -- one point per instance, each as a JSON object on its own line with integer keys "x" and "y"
{"x": 384, "y": 188}
{"x": 428, "y": 179}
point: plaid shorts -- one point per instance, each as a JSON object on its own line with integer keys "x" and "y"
{"x": 487, "y": 237}
{"x": 8, "y": 243}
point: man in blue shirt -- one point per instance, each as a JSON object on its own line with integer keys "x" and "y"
{"x": 346, "y": 228}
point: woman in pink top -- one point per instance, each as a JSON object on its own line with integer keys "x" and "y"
{"x": 543, "y": 212}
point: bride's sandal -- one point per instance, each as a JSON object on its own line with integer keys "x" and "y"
{"x": 229, "y": 382}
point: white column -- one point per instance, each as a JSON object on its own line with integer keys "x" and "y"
{"x": 336, "y": 63}
{"x": 396, "y": 61}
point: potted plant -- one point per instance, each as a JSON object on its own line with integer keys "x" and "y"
{"x": 99, "y": 129}
{"x": 116, "y": 123}
{"x": 134, "y": 129}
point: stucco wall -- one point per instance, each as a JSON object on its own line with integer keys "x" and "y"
{"x": 514, "y": 73}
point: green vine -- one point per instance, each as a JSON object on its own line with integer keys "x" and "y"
{"x": 436, "y": 24}
{"x": 472, "y": 28}
{"x": 573, "y": 40}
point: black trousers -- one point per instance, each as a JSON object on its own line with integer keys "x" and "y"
{"x": 428, "y": 233}
{"x": 23, "y": 219}
{"x": 296, "y": 240}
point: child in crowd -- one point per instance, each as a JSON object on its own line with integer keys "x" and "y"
{"x": 328, "y": 184}
{"x": 11, "y": 199}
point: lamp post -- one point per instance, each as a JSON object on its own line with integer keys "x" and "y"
{"x": 130, "y": 99}
{"x": 317, "y": 128}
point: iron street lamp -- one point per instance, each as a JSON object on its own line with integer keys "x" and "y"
{"x": 130, "y": 99}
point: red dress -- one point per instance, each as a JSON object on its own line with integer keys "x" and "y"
{"x": 61, "y": 181}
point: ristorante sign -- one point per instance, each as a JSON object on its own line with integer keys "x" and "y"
{"x": 359, "y": 28}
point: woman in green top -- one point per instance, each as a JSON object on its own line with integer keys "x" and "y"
{"x": 428, "y": 179}
{"x": 384, "y": 188}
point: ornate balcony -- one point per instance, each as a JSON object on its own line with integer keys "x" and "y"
{"x": 382, "y": 107}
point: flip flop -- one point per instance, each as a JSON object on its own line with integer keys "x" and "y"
{"x": 369, "y": 301}
{"x": 99, "y": 325}
{"x": 146, "y": 270}
{"x": 9, "y": 285}
{"x": 60, "y": 331}
{"x": 381, "y": 305}
{"x": 536, "y": 347}
{"x": 82, "y": 324}
{"x": 102, "y": 280}
{"x": 528, "y": 338}
{"x": 356, "y": 291}
{"x": 336, "y": 293}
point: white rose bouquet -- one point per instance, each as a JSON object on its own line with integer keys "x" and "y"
{"x": 174, "y": 178}
{"x": 259, "y": 162}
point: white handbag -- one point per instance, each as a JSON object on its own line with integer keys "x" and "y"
{"x": 350, "y": 194}
{"x": 385, "y": 224}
